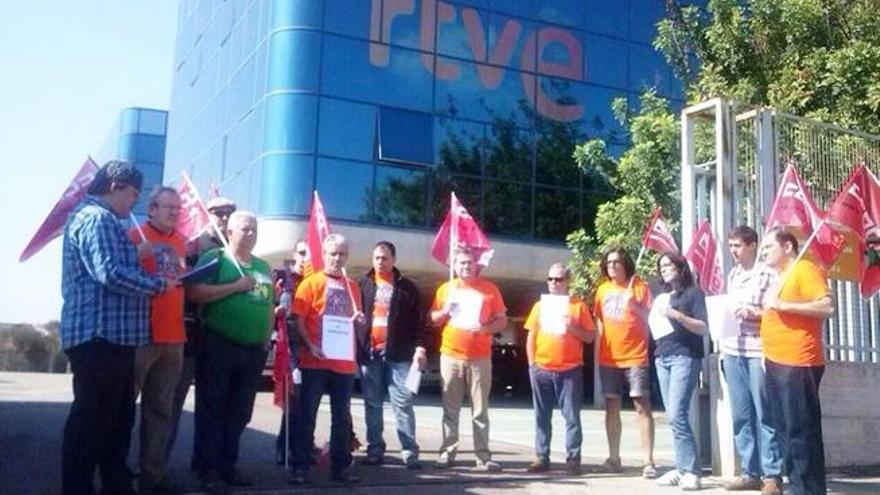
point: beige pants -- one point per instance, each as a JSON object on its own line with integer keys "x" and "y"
{"x": 475, "y": 376}
{"x": 156, "y": 372}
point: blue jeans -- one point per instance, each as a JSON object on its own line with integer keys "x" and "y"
{"x": 678, "y": 379}
{"x": 567, "y": 390}
{"x": 795, "y": 405}
{"x": 757, "y": 443}
{"x": 377, "y": 376}
{"x": 338, "y": 385}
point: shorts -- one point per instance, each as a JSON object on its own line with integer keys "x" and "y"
{"x": 615, "y": 380}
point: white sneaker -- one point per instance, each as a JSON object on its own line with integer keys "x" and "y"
{"x": 670, "y": 478}
{"x": 689, "y": 482}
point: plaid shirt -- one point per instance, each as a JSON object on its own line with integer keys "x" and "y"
{"x": 106, "y": 292}
{"x": 748, "y": 288}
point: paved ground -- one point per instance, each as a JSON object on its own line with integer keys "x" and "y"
{"x": 33, "y": 408}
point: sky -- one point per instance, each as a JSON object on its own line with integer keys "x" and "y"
{"x": 67, "y": 69}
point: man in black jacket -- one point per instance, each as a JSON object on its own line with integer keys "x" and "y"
{"x": 391, "y": 342}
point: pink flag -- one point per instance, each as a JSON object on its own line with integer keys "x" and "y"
{"x": 461, "y": 227}
{"x": 317, "y": 230}
{"x": 703, "y": 256}
{"x": 657, "y": 235}
{"x": 193, "y": 214}
{"x": 281, "y": 366}
{"x": 794, "y": 207}
{"x": 53, "y": 225}
{"x": 870, "y": 282}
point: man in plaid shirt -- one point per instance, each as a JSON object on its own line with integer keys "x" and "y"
{"x": 105, "y": 316}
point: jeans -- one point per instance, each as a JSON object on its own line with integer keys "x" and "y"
{"x": 377, "y": 376}
{"x": 566, "y": 389}
{"x": 678, "y": 378}
{"x": 757, "y": 442}
{"x": 458, "y": 375}
{"x": 181, "y": 390}
{"x": 795, "y": 405}
{"x": 339, "y": 386}
{"x": 232, "y": 378}
{"x": 98, "y": 428}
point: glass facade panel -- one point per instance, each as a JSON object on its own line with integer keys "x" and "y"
{"x": 405, "y": 136}
{"x": 603, "y": 63}
{"x": 287, "y": 184}
{"x": 458, "y": 146}
{"x": 345, "y": 188}
{"x": 346, "y": 129}
{"x": 456, "y": 39}
{"x": 508, "y": 152}
{"x": 467, "y": 189}
{"x": 509, "y": 38}
{"x": 152, "y": 122}
{"x": 484, "y": 93}
{"x": 565, "y": 12}
{"x": 129, "y": 120}
{"x": 556, "y": 213}
{"x": 610, "y": 18}
{"x": 349, "y": 17}
{"x": 401, "y": 196}
{"x": 294, "y": 59}
{"x": 291, "y": 122}
{"x": 506, "y": 208}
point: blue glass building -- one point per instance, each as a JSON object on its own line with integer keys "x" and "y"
{"x": 384, "y": 106}
{"x": 138, "y": 137}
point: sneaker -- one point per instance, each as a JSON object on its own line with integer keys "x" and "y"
{"x": 649, "y": 471}
{"x": 743, "y": 483}
{"x": 689, "y": 482}
{"x": 412, "y": 462}
{"x": 373, "y": 460}
{"x": 573, "y": 466}
{"x": 489, "y": 466}
{"x": 539, "y": 465}
{"x": 671, "y": 478}
{"x": 444, "y": 461}
{"x": 771, "y": 486}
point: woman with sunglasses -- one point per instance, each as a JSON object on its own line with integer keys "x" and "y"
{"x": 678, "y": 358}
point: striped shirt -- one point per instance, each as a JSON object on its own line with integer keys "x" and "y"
{"x": 106, "y": 292}
{"x": 747, "y": 288}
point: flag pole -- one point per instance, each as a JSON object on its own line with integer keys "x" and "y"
{"x": 214, "y": 225}
{"x": 137, "y": 226}
{"x": 287, "y": 413}
{"x": 453, "y": 233}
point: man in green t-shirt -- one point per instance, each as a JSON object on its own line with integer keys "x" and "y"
{"x": 237, "y": 319}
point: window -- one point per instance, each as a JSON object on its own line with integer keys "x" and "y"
{"x": 405, "y": 137}
{"x": 458, "y": 146}
{"x": 401, "y": 196}
{"x": 507, "y": 208}
{"x": 556, "y": 213}
{"x": 152, "y": 122}
{"x": 345, "y": 188}
{"x": 346, "y": 129}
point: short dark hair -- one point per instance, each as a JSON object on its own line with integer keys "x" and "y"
{"x": 387, "y": 245}
{"x": 629, "y": 268}
{"x": 782, "y": 236}
{"x": 744, "y": 233}
{"x": 115, "y": 171}
{"x": 158, "y": 191}
{"x": 684, "y": 270}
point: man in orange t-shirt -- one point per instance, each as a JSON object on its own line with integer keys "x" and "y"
{"x": 471, "y": 309}
{"x": 791, "y": 334}
{"x": 559, "y": 325}
{"x": 324, "y": 297}
{"x": 621, "y": 306}
{"x": 158, "y": 365}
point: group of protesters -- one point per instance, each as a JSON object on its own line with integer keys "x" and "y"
{"x": 133, "y": 325}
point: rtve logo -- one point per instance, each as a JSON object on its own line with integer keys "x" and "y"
{"x": 499, "y": 55}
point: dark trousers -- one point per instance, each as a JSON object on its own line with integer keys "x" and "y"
{"x": 98, "y": 428}
{"x": 227, "y": 389}
{"x": 565, "y": 389}
{"x": 794, "y": 393}
{"x": 338, "y": 386}
{"x": 290, "y": 415}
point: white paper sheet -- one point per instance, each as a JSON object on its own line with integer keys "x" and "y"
{"x": 723, "y": 322}
{"x": 337, "y": 337}
{"x": 554, "y": 313}
{"x": 467, "y": 304}
{"x": 413, "y": 378}
{"x": 660, "y": 325}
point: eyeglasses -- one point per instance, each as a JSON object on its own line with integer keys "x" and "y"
{"x": 222, "y": 213}
{"x": 556, "y": 279}
{"x": 302, "y": 253}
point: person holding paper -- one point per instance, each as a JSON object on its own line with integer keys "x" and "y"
{"x": 327, "y": 306}
{"x": 621, "y": 309}
{"x": 559, "y": 325}
{"x": 757, "y": 442}
{"x": 238, "y": 321}
{"x": 678, "y": 359}
{"x": 104, "y": 318}
{"x": 390, "y": 345}
{"x": 158, "y": 364}
{"x": 795, "y": 310}
{"x": 470, "y": 309}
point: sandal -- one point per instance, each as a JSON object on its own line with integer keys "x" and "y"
{"x": 649, "y": 471}
{"x": 610, "y": 466}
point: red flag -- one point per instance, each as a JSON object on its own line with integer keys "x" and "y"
{"x": 794, "y": 207}
{"x": 657, "y": 235}
{"x": 281, "y": 366}
{"x": 870, "y": 282}
{"x": 317, "y": 230}
{"x": 848, "y": 208}
{"x": 53, "y": 225}
{"x": 461, "y": 227}
{"x": 703, "y": 255}
{"x": 193, "y": 214}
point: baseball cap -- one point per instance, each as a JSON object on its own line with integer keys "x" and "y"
{"x": 220, "y": 203}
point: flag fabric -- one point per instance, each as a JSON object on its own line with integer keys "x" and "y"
{"x": 281, "y": 372}
{"x": 193, "y": 214}
{"x": 658, "y": 236}
{"x": 794, "y": 207}
{"x": 317, "y": 230}
{"x": 703, "y": 256}
{"x": 460, "y": 228}
{"x": 857, "y": 208}
{"x": 53, "y": 225}
{"x": 848, "y": 208}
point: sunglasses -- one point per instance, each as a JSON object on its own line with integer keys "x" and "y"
{"x": 556, "y": 279}
{"x": 302, "y": 253}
